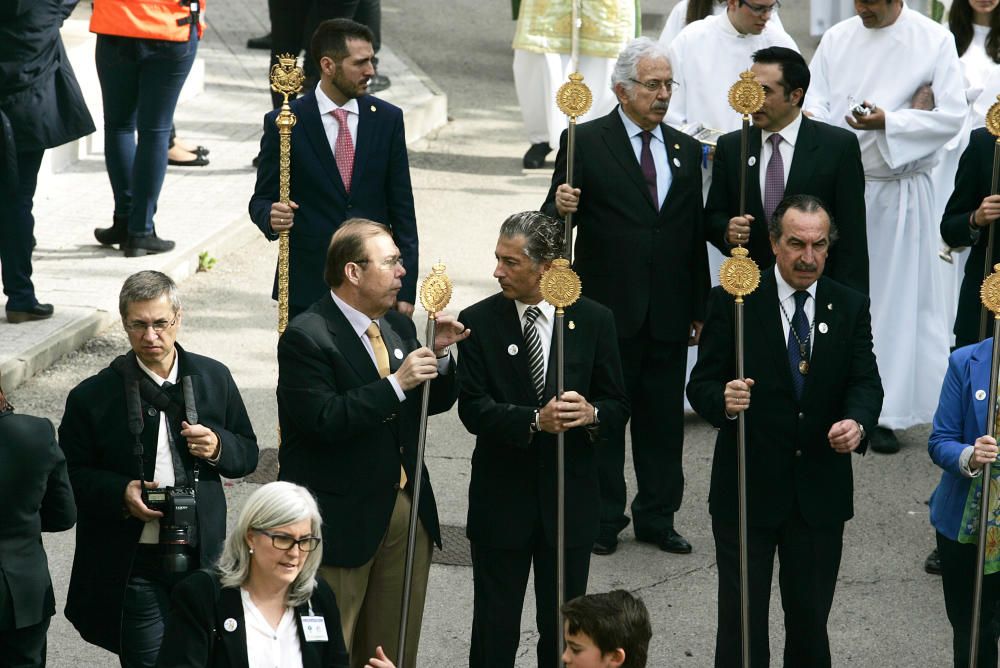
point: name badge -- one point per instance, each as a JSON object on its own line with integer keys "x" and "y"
{"x": 314, "y": 628}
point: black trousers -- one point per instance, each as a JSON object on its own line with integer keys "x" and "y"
{"x": 17, "y": 228}
{"x": 500, "y": 578}
{"x": 809, "y": 560}
{"x": 146, "y": 607}
{"x": 24, "y": 648}
{"x": 654, "y": 379}
{"x": 958, "y": 566}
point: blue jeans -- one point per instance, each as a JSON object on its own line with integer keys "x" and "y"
{"x": 141, "y": 80}
{"x": 17, "y": 226}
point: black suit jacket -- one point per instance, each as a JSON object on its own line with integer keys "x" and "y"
{"x": 35, "y": 496}
{"x": 196, "y": 634}
{"x": 790, "y": 463}
{"x": 972, "y": 185}
{"x": 94, "y": 435}
{"x": 513, "y": 486}
{"x": 344, "y": 432}
{"x": 646, "y": 266}
{"x": 826, "y": 164}
{"x": 380, "y": 191}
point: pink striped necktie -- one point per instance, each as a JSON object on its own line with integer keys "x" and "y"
{"x": 344, "y": 149}
{"x": 774, "y": 179}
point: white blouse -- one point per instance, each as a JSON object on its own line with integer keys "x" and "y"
{"x": 268, "y": 647}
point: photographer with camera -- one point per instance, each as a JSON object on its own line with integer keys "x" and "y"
{"x": 146, "y": 441}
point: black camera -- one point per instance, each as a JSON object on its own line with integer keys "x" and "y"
{"x": 178, "y": 526}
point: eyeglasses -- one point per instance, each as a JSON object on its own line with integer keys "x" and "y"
{"x": 140, "y": 327}
{"x": 760, "y": 10}
{"x": 390, "y": 262}
{"x": 283, "y": 541}
{"x": 654, "y": 85}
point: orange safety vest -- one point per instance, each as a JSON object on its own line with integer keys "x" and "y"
{"x": 169, "y": 20}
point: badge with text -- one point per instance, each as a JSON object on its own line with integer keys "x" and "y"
{"x": 314, "y": 628}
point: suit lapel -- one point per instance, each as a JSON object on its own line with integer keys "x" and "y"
{"x": 312, "y": 125}
{"x": 620, "y": 147}
{"x": 393, "y": 343}
{"x": 367, "y": 122}
{"x": 979, "y": 379}
{"x": 235, "y": 641}
{"x": 348, "y": 342}
{"x": 311, "y": 651}
{"x": 513, "y": 337}
{"x": 804, "y": 159}
{"x": 768, "y": 315}
{"x": 551, "y": 382}
{"x": 754, "y": 202}
{"x": 826, "y": 317}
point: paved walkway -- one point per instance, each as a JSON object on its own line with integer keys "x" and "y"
{"x": 203, "y": 209}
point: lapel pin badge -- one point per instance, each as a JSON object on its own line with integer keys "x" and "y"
{"x": 823, "y": 328}
{"x": 229, "y": 624}
{"x": 677, "y": 147}
{"x": 512, "y": 349}
{"x": 373, "y": 107}
{"x": 572, "y": 325}
{"x": 398, "y": 353}
{"x": 677, "y": 163}
{"x": 752, "y": 161}
{"x": 829, "y": 307}
{"x": 980, "y": 395}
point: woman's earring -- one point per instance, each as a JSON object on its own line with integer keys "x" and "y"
{"x": 251, "y": 549}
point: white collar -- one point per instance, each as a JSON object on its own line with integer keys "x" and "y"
{"x": 171, "y": 377}
{"x": 326, "y": 105}
{"x": 632, "y": 128}
{"x": 785, "y": 290}
{"x": 789, "y": 133}
{"x": 359, "y": 321}
{"x": 547, "y": 310}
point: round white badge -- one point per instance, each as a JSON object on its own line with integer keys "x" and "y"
{"x": 512, "y": 350}
{"x": 752, "y": 161}
{"x": 229, "y": 624}
{"x": 980, "y": 395}
{"x": 677, "y": 163}
{"x": 823, "y": 327}
{"x": 398, "y": 353}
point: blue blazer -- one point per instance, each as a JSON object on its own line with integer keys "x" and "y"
{"x": 960, "y": 419}
{"x": 380, "y": 191}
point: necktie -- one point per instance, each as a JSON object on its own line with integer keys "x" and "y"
{"x": 649, "y": 167}
{"x": 798, "y": 343}
{"x": 180, "y": 475}
{"x": 536, "y": 361}
{"x": 344, "y": 149}
{"x": 382, "y": 362}
{"x": 774, "y": 179}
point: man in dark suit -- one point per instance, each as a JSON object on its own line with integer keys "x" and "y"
{"x": 816, "y": 388}
{"x": 138, "y": 417}
{"x": 35, "y": 496}
{"x": 970, "y": 211}
{"x": 507, "y": 380}
{"x": 813, "y": 158}
{"x": 340, "y": 169}
{"x": 349, "y": 376}
{"x": 641, "y": 252}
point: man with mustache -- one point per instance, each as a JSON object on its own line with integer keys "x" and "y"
{"x": 816, "y": 393}
{"x": 348, "y": 160}
{"x": 640, "y": 251}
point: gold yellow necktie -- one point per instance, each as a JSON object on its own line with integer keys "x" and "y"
{"x": 382, "y": 362}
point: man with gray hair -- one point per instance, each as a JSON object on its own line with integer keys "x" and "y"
{"x": 507, "y": 398}
{"x": 640, "y": 251}
{"x": 158, "y": 417}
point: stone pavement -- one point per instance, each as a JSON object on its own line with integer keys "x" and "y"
{"x": 203, "y": 209}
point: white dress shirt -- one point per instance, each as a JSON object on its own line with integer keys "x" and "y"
{"x": 544, "y": 324}
{"x": 657, "y": 147}
{"x": 330, "y": 124}
{"x": 269, "y": 647}
{"x": 786, "y": 300}
{"x": 789, "y": 136}
{"x": 163, "y": 470}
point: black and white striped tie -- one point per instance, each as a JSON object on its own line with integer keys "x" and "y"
{"x": 536, "y": 361}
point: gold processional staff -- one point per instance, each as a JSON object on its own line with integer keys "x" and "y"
{"x": 435, "y": 293}
{"x": 739, "y": 276}
{"x": 286, "y": 79}
{"x": 993, "y": 125}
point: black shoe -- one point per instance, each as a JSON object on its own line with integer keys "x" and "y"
{"x": 37, "y": 312}
{"x": 605, "y": 545}
{"x": 535, "y": 157}
{"x": 932, "y": 564}
{"x": 668, "y": 541}
{"x": 201, "y": 150}
{"x": 150, "y": 245}
{"x": 378, "y": 82}
{"x": 116, "y": 234}
{"x": 884, "y": 440}
{"x": 199, "y": 160}
{"x": 262, "y": 43}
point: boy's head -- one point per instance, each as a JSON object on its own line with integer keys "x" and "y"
{"x": 606, "y": 631}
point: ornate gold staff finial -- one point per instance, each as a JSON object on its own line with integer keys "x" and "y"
{"x": 435, "y": 290}
{"x": 573, "y": 97}
{"x": 739, "y": 275}
{"x": 560, "y": 285}
{"x": 993, "y": 118}
{"x": 989, "y": 292}
{"x": 287, "y": 79}
{"x": 746, "y": 96}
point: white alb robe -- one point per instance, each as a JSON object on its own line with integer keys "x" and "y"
{"x": 886, "y": 66}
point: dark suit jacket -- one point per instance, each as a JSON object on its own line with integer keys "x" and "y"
{"x": 380, "y": 191}
{"x": 513, "y": 486}
{"x": 35, "y": 496}
{"x": 826, "y": 164}
{"x": 344, "y": 432}
{"x": 790, "y": 463}
{"x": 646, "y": 266}
{"x": 98, "y": 445}
{"x": 196, "y": 635}
{"x": 972, "y": 184}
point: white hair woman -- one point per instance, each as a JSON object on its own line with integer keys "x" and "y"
{"x": 263, "y": 605}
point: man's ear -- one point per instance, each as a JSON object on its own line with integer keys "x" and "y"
{"x": 327, "y": 65}
{"x": 617, "y": 657}
{"x": 352, "y": 272}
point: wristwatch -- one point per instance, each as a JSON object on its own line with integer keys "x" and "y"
{"x": 861, "y": 428}
{"x": 535, "y": 425}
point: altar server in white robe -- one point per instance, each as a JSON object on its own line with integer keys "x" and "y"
{"x": 904, "y": 68}
{"x": 678, "y": 18}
